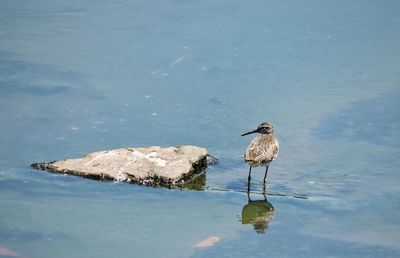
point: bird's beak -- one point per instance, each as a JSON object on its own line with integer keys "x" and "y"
{"x": 254, "y": 131}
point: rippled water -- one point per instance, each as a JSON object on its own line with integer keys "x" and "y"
{"x": 77, "y": 77}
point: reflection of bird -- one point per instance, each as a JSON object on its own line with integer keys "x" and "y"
{"x": 258, "y": 213}
{"x": 262, "y": 150}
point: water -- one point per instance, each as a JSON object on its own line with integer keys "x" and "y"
{"x": 77, "y": 77}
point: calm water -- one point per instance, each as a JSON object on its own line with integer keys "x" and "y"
{"x": 77, "y": 77}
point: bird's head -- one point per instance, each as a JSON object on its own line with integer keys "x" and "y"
{"x": 263, "y": 128}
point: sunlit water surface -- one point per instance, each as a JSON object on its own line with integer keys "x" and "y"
{"x": 77, "y": 77}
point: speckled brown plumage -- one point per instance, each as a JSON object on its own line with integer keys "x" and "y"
{"x": 262, "y": 150}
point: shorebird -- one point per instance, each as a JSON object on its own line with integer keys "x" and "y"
{"x": 262, "y": 150}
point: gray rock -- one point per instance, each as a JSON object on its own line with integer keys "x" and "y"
{"x": 172, "y": 166}
{"x": 211, "y": 160}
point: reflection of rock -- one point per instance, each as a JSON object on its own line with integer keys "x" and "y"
{"x": 150, "y": 166}
{"x": 198, "y": 182}
{"x": 258, "y": 213}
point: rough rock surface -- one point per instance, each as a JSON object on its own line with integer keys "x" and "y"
{"x": 153, "y": 165}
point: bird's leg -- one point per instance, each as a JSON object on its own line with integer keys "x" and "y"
{"x": 248, "y": 180}
{"x": 266, "y": 172}
{"x": 264, "y": 191}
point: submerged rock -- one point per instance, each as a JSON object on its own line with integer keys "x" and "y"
{"x": 149, "y": 166}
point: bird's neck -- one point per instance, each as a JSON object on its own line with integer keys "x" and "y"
{"x": 268, "y": 134}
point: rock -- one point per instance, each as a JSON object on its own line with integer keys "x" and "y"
{"x": 172, "y": 166}
{"x": 211, "y": 160}
{"x": 212, "y": 240}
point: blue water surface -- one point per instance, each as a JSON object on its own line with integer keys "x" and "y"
{"x": 83, "y": 76}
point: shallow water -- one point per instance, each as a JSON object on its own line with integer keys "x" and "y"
{"x": 77, "y": 77}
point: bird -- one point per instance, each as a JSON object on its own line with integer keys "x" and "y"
{"x": 262, "y": 150}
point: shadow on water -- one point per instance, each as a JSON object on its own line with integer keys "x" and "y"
{"x": 258, "y": 213}
{"x": 238, "y": 186}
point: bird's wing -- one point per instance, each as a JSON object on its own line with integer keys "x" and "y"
{"x": 276, "y": 149}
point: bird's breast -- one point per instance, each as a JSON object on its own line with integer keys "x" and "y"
{"x": 262, "y": 150}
